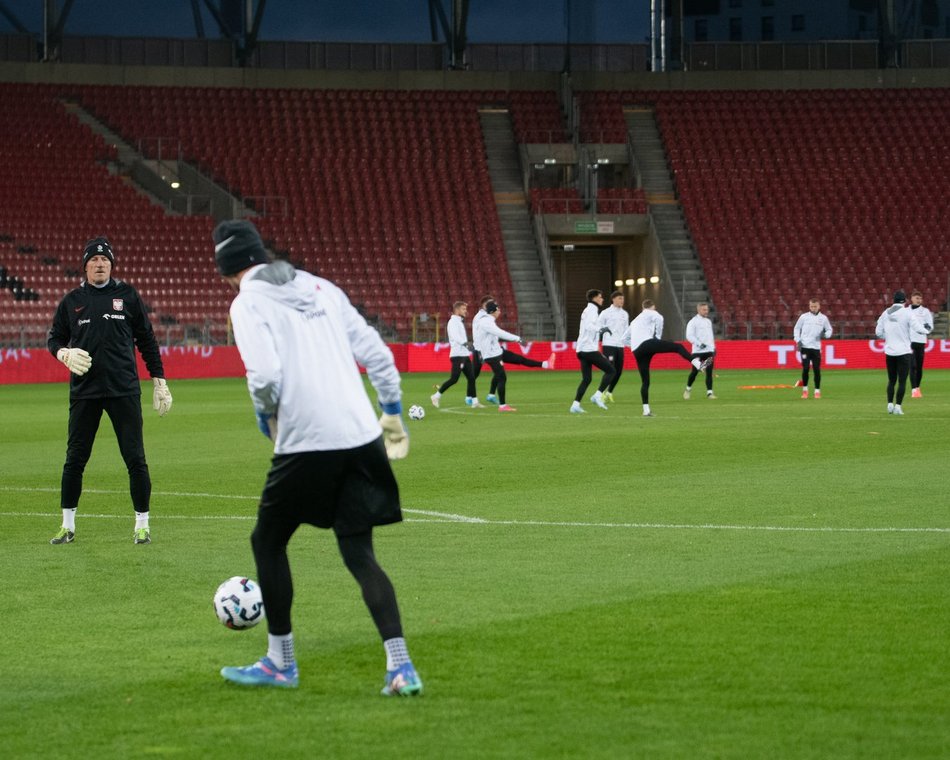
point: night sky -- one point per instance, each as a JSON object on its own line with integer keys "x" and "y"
{"x": 601, "y": 21}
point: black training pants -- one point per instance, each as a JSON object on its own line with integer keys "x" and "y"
{"x": 614, "y": 355}
{"x": 917, "y": 370}
{"x": 125, "y": 412}
{"x": 588, "y": 360}
{"x": 644, "y": 354}
{"x": 898, "y": 367}
{"x": 709, "y": 370}
{"x": 461, "y": 365}
{"x": 811, "y": 356}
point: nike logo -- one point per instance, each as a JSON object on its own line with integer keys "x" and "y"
{"x": 79, "y": 309}
{"x": 220, "y": 246}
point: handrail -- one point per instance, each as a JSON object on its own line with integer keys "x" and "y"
{"x": 550, "y": 278}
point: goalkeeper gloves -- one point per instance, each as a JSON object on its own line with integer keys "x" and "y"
{"x": 395, "y": 436}
{"x": 161, "y": 396}
{"x": 267, "y": 424}
{"x": 604, "y": 331}
{"x": 77, "y": 360}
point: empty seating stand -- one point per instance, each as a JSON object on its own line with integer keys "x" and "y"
{"x": 839, "y": 194}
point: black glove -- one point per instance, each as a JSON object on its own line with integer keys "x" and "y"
{"x": 701, "y": 347}
{"x": 522, "y": 342}
{"x": 470, "y": 346}
{"x": 604, "y": 331}
{"x": 798, "y": 345}
{"x": 928, "y": 327}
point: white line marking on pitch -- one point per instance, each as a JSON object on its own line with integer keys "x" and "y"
{"x": 443, "y": 517}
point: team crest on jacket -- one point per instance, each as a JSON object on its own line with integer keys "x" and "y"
{"x": 117, "y": 304}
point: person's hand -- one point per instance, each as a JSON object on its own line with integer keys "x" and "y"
{"x": 161, "y": 396}
{"x": 522, "y": 342}
{"x": 604, "y": 331}
{"x": 77, "y": 360}
{"x": 470, "y": 346}
{"x": 798, "y": 345}
{"x": 395, "y": 435}
{"x": 267, "y": 424}
{"x": 702, "y": 346}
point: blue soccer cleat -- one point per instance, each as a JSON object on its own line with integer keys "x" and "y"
{"x": 263, "y": 673}
{"x": 402, "y": 682}
{"x": 491, "y": 398}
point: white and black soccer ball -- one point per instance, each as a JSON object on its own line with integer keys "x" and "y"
{"x": 416, "y": 412}
{"x": 238, "y": 603}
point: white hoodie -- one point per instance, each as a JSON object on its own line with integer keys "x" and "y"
{"x": 300, "y": 340}
{"x": 894, "y": 327}
{"x": 923, "y": 324}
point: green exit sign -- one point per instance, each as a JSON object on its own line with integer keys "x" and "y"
{"x": 585, "y": 228}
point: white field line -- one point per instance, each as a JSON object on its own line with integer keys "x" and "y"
{"x": 443, "y": 517}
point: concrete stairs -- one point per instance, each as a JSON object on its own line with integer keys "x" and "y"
{"x": 685, "y": 271}
{"x": 535, "y": 312}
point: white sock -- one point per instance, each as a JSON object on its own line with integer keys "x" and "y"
{"x": 597, "y": 395}
{"x": 709, "y": 393}
{"x": 69, "y": 519}
{"x": 544, "y": 364}
{"x": 646, "y": 408}
{"x": 396, "y": 653}
{"x": 280, "y": 650}
{"x": 437, "y": 394}
{"x": 141, "y": 520}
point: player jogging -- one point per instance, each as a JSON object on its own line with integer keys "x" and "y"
{"x": 615, "y": 318}
{"x": 487, "y": 334}
{"x": 588, "y": 339}
{"x": 895, "y": 327}
{"x": 923, "y": 326}
{"x": 810, "y": 328}
{"x": 460, "y": 358}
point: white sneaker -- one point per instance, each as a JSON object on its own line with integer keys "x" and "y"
{"x": 686, "y": 393}
{"x": 898, "y": 410}
{"x": 576, "y": 408}
{"x": 890, "y": 408}
{"x": 710, "y": 394}
{"x": 598, "y": 399}
{"x": 434, "y": 398}
{"x": 476, "y": 404}
{"x": 648, "y": 414}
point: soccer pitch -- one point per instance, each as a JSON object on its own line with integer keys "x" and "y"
{"x": 757, "y": 575}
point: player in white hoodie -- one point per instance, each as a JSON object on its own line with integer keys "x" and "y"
{"x": 588, "y": 340}
{"x": 810, "y": 328}
{"x": 895, "y": 327}
{"x": 923, "y": 326}
{"x": 459, "y": 356}
{"x": 300, "y": 340}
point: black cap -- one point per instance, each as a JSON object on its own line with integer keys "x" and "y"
{"x": 99, "y": 246}
{"x": 237, "y": 246}
{"x": 491, "y": 307}
{"x": 900, "y": 297}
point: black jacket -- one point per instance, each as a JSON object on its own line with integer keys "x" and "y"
{"x": 109, "y": 323}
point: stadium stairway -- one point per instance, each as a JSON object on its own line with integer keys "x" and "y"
{"x": 527, "y": 275}
{"x": 676, "y": 246}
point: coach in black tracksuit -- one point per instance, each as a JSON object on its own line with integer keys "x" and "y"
{"x": 95, "y": 332}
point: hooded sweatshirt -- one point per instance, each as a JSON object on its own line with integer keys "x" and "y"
{"x": 300, "y": 340}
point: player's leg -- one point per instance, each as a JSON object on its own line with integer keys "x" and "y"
{"x": 125, "y": 412}
{"x": 380, "y": 598}
{"x": 691, "y": 379}
{"x": 806, "y": 365}
{"x": 644, "y": 355}
{"x": 816, "y": 370}
{"x": 500, "y": 380}
{"x": 586, "y": 375}
{"x": 453, "y": 379}
{"x": 84, "y": 417}
{"x": 614, "y": 355}
{"x": 891, "y": 364}
{"x": 903, "y": 365}
{"x": 917, "y": 369}
{"x": 471, "y": 395}
{"x": 606, "y": 366}
{"x": 512, "y": 358}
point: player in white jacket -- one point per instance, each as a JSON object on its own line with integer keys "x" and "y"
{"x": 644, "y": 334}
{"x": 615, "y": 318}
{"x": 300, "y": 340}
{"x": 486, "y": 335}
{"x": 895, "y": 327}
{"x": 459, "y": 356}
{"x": 810, "y": 328}
{"x": 588, "y": 343}
{"x": 699, "y": 333}
{"x": 923, "y": 326}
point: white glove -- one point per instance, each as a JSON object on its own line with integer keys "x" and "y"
{"x": 161, "y": 396}
{"x": 76, "y": 359}
{"x": 395, "y": 436}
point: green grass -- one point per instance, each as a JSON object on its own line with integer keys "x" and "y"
{"x": 747, "y": 577}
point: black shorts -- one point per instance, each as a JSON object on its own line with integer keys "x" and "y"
{"x": 348, "y": 490}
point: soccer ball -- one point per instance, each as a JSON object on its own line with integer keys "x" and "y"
{"x": 416, "y": 412}
{"x": 238, "y": 603}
